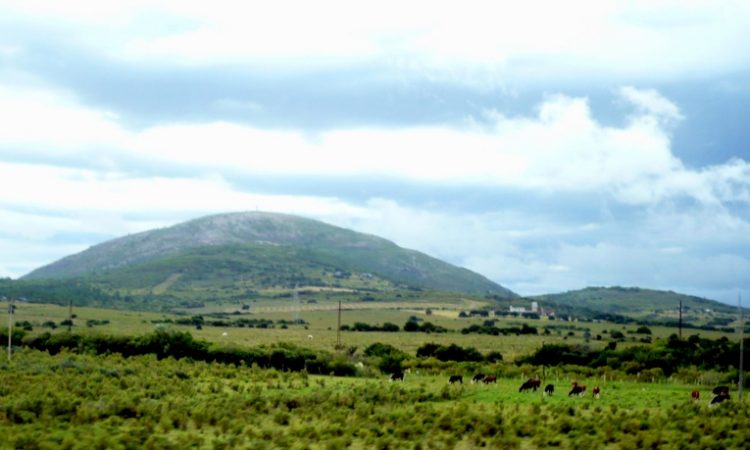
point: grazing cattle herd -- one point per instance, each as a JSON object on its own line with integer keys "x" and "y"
{"x": 721, "y": 393}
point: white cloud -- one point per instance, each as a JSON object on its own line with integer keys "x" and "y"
{"x": 651, "y": 102}
{"x": 563, "y": 148}
{"x": 476, "y": 41}
{"x": 57, "y": 189}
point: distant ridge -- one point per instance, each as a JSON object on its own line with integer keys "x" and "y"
{"x": 263, "y": 245}
{"x": 637, "y": 303}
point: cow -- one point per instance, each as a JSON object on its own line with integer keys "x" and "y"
{"x": 577, "y": 389}
{"x": 696, "y": 394}
{"x": 477, "y": 378}
{"x": 549, "y": 389}
{"x": 720, "y": 398}
{"x": 490, "y": 379}
{"x": 721, "y": 393}
{"x": 456, "y": 379}
{"x": 596, "y": 391}
{"x": 719, "y": 390}
{"x": 397, "y": 376}
{"x": 531, "y": 383}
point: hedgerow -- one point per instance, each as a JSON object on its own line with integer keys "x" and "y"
{"x": 666, "y": 356}
{"x": 175, "y": 344}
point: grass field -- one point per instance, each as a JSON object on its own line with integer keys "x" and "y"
{"x": 321, "y": 324}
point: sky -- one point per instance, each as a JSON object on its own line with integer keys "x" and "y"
{"x": 549, "y": 146}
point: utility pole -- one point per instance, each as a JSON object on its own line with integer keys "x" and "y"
{"x": 338, "y": 328}
{"x": 70, "y": 316}
{"x": 11, "y": 310}
{"x": 742, "y": 346}
{"x": 679, "y": 324}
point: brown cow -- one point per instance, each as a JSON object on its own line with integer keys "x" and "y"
{"x": 531, "y": 383}
{"x": 596, "y": 391}
{"x": 696, "y": 394}
{"x": 577, "y": 389}
{"x": 490, "y": 379}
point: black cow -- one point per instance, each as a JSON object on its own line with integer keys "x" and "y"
{"x": 477, "y": 378}
{"x": 549, "y": 389}
{"x": 720, "y": 398}
{"x": 397, "y": 376}
{"x": 721, "y": 393}
{"x": 456, "y": 379}
{"x": 531, "y": 383}
{"x": 719, "y": 390}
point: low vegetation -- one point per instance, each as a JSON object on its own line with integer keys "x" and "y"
{"x": 84, "y": 401}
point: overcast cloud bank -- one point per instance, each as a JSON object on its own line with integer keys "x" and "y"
{"x": 538, "y": 150}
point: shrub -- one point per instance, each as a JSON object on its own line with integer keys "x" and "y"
{"x": 452, "y": 352}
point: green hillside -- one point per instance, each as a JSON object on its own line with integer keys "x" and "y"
{"x": 647, "y": 305}
{"x": 231, "y": 255}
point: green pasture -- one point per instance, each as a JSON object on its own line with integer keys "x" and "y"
{"x": 320, "y": 329}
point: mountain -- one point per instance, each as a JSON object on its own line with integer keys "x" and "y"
{"x": 238, "y": 253}
{"x": 640, "y": 304}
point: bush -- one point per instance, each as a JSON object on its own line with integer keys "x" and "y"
{"x": 411, "y": 326}
{"x": 390, "y": 359}
{"x": 452, "y": 352}
{"x": 494, "y": 356}
{"x": 617, "y": 335}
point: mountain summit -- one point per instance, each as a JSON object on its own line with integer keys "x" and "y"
{"x": 264, "y": 250}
